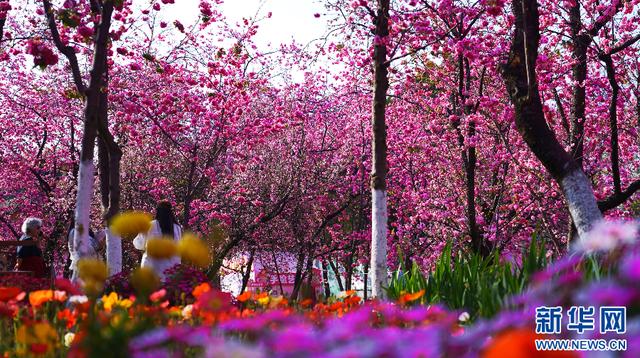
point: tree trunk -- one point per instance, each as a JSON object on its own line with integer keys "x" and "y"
{"x": 298, "y": 277}
{"x": 349, "y": 271}
{"x": 336, "y": 272}
{"x": 247, "y": 274}
{"x": 109, "y": 155}
{"x": 3, "y": 19}
{"x": 521, "y": 83}
{"x": 580, "y": 42}
{"x": 94, "y": 101}
{"x": 277, "y": 267}
{"x": 379, "y": 158}
{"x": 613, "y": 122}
{"x": 325, "y": 279}
{"x": 85, "y": 178}
{"x": 366, "y": 281}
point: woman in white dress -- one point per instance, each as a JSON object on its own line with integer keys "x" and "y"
{"x": 165, "y": 226}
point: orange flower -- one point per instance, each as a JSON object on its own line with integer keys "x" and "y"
{"x": 520, "y": 343}
{"x": 200, "y": 289}
{"x": 336, "y": 306}
{"x": 307, "y": 302}
{"x": 410, "y": 297}
{"x": 9, "y": 293}
{"x": 37, "y": 298}
{"x": 352, "y": 300}
{"x": 244, "y": 297}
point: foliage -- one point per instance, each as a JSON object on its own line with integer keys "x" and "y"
{"x": 469, "y": 281}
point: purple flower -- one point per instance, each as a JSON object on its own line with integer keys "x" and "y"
{"x": 630, "y": 267}
{"x": 605, "y": 293}
{"x": 297, "y": 339}
{"x": 150, "y": 338}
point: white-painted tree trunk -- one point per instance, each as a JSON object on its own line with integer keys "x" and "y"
{"x": 379, "y": 272}
{"x": 83, "y": 208}
{"x": 581, "y": 201}
{"x": 114, "y": 252}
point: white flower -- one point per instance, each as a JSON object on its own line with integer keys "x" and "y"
{"x": 68, "y": 339}
{"x": 78, "y": 299}
{"x": 608, "y": 235}
{"x": 187, "y": 311}
{"x": 464, "y": 317}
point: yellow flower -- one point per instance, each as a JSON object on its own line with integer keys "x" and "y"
{"x": 111, "y": 301}
{"x": 129, "y": 224}
{"x": 161, "y": 248}
{"x": 275, "y": 301}
{"x": 194, "y": 251}
{"x": 144, "y": 281}
{"x": 39, "y": 338}
{"x": 92, "y": 270}
{"x": 263, "y": 301}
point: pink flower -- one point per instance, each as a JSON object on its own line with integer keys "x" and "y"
{"x": 43, "y": 56}
{"x": 85, "y": 31}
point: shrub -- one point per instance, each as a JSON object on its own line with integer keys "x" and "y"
{"x": 180, "y": 281}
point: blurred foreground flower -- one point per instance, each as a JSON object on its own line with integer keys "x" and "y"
{"x": 144, "y": 281}
{"x": 520, "y": 343}
{"x": 129, "y": 224}
{"x": 9, "y": 293}
{"x": 194, "y": 251}
{"x": 608, "y": 235}
{"x": 36, "y": 339}
{"x": 162, "y": 248}
{"x": 93, "y": 273}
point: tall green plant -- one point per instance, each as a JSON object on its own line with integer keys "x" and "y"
{"x": 469, "y": 281}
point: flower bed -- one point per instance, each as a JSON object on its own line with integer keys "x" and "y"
{"x": 214, "y": 324}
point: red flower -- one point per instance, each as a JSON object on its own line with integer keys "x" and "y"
{"x": 9, "y": 293}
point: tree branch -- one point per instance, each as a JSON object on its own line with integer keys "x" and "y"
{"x": 66, "y": 50}
{"x": 616, "y": 199}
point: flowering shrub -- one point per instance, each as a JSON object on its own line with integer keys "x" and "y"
{"x": 180, "y": 282}
{"x": 119, "y": 283}
{"x": 26, "y": 282}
